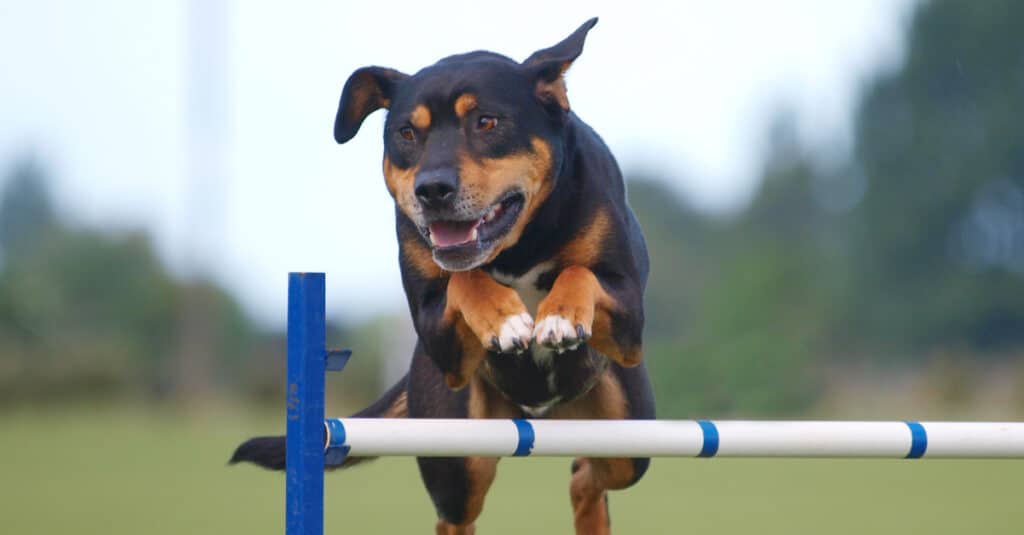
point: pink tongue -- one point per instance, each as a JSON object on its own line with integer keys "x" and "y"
{"x": 447, "y": 234}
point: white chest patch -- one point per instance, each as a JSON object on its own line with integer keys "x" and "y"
{"x": 526, "y": 286}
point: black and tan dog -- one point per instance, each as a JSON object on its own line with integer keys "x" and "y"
{"x": 522, "y": 263}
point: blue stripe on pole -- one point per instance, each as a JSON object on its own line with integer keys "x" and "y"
{"x": 710, "y": 447}
{"x": 337, "y": 451}
{"x": 337, "y": 430}
{"x": 526, "y": 437}
{"x": 918, "y": 440}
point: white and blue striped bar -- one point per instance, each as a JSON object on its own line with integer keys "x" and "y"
{"x": 672, "y": 438}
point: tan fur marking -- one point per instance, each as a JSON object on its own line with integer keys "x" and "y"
{"x": 578, "y": 297}
{"x": 477, "y": 305}
{"x": 420, "y": 117}
{"x": 419, "y": 257}
{"x": 482, "y": 302}
{"x": 604, "y": 342}
{"x": 401, "y": 184}
{"x": 399, "y": 408}
{"x": 478, "y": 398}
{"x": 555, "y": 90}
{"x": 444, "y": 528}
{"x": 464, "y": 104}
{"x": 481, "y": 475}
{"x": 486, "y": 180}
{"x": 586, "y": 248}
{"x": 588, "y": 492}
{"x": 473, "y": 354}
{"x": 539, "y": 185}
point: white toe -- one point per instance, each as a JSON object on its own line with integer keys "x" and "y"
{"x": 515, "y": 327}
{"x": 528, "y": 322}
{"x": 542, "y": 331}
{"x": 553, "y": 330}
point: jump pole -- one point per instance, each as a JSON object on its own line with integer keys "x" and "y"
{"x": 312, "y": 438}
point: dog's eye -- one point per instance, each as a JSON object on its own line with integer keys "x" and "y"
{"x": 486, "y": 122}
{"x": 407, "y": 133}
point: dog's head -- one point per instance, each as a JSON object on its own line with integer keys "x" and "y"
{"x": 471, "y": 143}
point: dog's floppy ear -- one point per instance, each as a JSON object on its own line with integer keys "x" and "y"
{"x": 366, "y": 91}
{"x": 548, "y": 66}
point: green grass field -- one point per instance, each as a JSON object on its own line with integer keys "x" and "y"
{"x": 128, "y": 472}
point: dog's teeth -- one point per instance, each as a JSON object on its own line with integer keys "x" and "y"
{"x": 472, "y": 235}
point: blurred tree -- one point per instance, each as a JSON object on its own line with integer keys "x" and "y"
{"x": 681, "y": 243}
{"x": 26, "y": 213}
{"x": 913, "y": 247}
{"x": 736, "y": 307}
{"x": 86, "y": 313}
{"x": 938, "y": 240}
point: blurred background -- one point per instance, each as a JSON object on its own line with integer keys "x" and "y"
{"x": 832, "y": 193}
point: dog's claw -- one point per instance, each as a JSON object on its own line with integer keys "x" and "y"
{"x": 581, "y": 335}
{"x": 557, "y": 333}
{"x": 514, "y": 335}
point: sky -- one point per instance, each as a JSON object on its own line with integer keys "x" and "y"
{"x": 123, "y": 101}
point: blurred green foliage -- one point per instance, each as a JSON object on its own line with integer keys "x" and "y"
{"x": 86, "y": 313}
{"x": 938, "y": 240}
{"x": 910, "y": 250}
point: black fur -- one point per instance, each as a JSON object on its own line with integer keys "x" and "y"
{"x": 267, "y": 452}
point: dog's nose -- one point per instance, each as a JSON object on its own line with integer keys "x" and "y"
{"x": 436, "y": 187}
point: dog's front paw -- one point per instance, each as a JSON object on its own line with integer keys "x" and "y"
{"x": 560, "y": 333}
{"x": 493, "y": 312}
{"x": 513, "y": 335}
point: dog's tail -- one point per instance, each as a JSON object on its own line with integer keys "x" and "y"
{"x": 269, "y": 452}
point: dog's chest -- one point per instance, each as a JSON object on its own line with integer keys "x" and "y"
{"x": 526, "y": 284}
{"x": 538, "y": 379}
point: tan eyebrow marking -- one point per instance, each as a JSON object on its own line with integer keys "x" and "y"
{"x": 464, "y": 104}
{"x": 420, "y": 117}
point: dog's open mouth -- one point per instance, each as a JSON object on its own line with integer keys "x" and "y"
{"x": 462, "y": 236}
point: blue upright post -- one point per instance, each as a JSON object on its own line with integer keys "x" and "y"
{"x": 306, "y": 370}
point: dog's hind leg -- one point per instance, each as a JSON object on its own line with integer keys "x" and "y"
{"x": 592, "y": 478}
{"x": 457, "y": 485}
{"x": 621, "y": 393}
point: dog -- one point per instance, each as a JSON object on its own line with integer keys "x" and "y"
{"x": 523, "y": 265}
